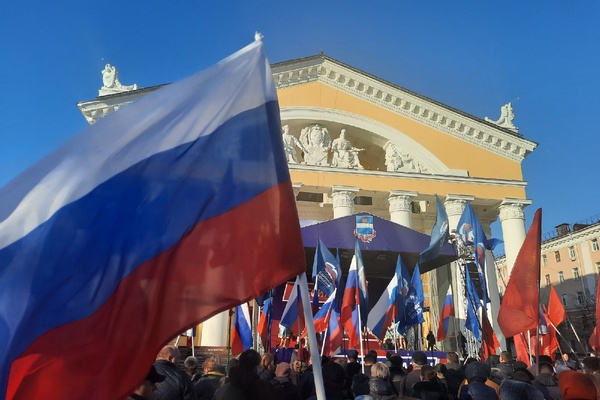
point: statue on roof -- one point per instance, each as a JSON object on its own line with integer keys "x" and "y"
{"x": 507, "y": 115}
{"x": 344, "y": 154}
{"x": 110, "y": 79}
{"x": 316, "y": 142}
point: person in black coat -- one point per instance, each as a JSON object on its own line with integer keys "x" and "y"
{"x": 430, "y": 387}
{"x": 177, "y": 384}
{"x": 379, "y": 385}
{"x": 208, "y": 384}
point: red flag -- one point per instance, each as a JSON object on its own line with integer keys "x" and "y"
{"x": 592, "y": 340}
{"x": 490, "y": 343}
{"x": 519, "y": 311}
{"x": 521, "y": 348}
{"x": 556, "y": 310}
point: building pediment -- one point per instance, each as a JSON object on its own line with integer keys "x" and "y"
{"x": 496, "y": 138}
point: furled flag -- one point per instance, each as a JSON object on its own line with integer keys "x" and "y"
{"x": 189, "y": 335}
{"x": 556, "y": 309}
{"x": 473, "y": 304}
{"x": 414, "y": 300}
{"x": 132, "y": 231}
{"x": 471, "y": 232}
{"x": 355, "y": 300}
{"x": 489, "y": 340}
{"x": 241, "y": 331}
{"x": 548, "y": 342}
{"x": 519, "y": 311}
{"x": 385, "y": 311}
{"x": 293, "y": 308}
{"x": 326, "y": 272}
{"x": 439, "y": 234}
{"x": 333, "y": 336}
{"x": 403, "y": 285}
{"x": 265, "y": 321}
{"x": 445, "y": 314}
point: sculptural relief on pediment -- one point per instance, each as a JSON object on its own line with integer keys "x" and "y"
{"x": 313, "y": 146}
{"x": 398, "y": 160}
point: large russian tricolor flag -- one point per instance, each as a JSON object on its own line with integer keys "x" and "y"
{"x": 161, "y": 215}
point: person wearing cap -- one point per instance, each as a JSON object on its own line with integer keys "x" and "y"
{"x": 419, "y": 359}
{"x": 148, "y": 386}
{"x": 177, "y": 385}
{"x": 397, "y": 374}
{"x": 478, "y": 383}
{"x": 353, "y": 366}
{"x": 516, "y": 389}
{"x": 576, "y": 385}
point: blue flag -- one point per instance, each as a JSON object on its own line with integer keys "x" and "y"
{"x": 439, "y": 234}
{"x": 326, "y": 272}
{"x": 471, "y": 232}
{"x": 404, "y": 280}
{"x": 473, "y": 304}
{"x": 415, "y": 299}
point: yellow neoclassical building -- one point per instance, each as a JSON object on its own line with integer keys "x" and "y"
{"x": 357, "y": 143}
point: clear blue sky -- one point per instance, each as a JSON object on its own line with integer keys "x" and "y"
{"x": 471, "y": 55}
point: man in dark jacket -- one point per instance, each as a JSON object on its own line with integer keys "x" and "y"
{"x": 177, "y": 385}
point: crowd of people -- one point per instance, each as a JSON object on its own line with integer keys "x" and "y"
{"x": 252, "y": 376}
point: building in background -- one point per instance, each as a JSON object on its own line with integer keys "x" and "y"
{"x": 357, "y": 143}
{"x": 570, "y": 261}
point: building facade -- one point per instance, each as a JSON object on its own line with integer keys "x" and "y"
{"x": 570, "y": 261}
{"x": 357, "y": 143}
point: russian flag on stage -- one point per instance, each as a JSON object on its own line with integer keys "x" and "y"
{"x": 157, "y": 217}
{"x": 241, "y": 331}
{"x": 293, "y": 309}
{"x": 355, "y": 310}
{"x": 447, "y": 312}
{"x": 385, "y": 311}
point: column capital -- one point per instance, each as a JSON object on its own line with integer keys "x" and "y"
{"x": 401, "y": 200}
{"x": 343, "y": 196}
{"x": 455, "y": 204}
{"x": 513, "y": 208}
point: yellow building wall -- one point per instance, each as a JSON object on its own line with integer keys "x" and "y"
{"x": 454, "y": 152}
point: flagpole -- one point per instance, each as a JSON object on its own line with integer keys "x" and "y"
{"x": 576, "y": 335}
{"x": 312, "y": 338}
{"x": 362, "y": 354}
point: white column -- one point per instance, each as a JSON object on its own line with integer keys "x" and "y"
{"x": 401, "y": 207}
{"x": 214, "y": 330}
{"x": 512, "y": 219}
{"x": 491, "y": 276}
{"x": 343, "y": 200}
{"x": 455, "y": 205}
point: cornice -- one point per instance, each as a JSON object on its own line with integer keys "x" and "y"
{"x": 571, "y": 238}
{"x": 407, "y": 175}
{"x": 401, "y": 101}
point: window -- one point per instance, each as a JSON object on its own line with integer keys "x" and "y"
{"x": 564, "y": 300}
{"x": 547, "y": 279}
{"x": 579, "y": 298}
{"x": 575, "y": 273}
{"x": 544, "y": 260}
{"x": 572, "y": 252}
{"x": 561, "y": 277}
{"x": 595, "y": 246}
{"x": 557, "y": 256}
